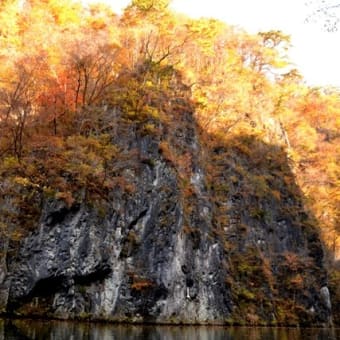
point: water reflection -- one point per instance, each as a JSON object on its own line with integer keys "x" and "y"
{"x": 58, "y": 330}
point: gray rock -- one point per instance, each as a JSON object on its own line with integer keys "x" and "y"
{"x": 325, "y": 297}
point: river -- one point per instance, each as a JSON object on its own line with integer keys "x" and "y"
{"x": 60, "y": 330}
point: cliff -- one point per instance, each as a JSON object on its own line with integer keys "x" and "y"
{"x": 195, "y": 228}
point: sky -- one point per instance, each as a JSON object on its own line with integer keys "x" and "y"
{"x": 315, "y": 53}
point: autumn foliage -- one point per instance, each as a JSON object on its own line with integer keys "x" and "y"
{"x": 67, "y": 71}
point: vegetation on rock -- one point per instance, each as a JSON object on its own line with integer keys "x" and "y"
{"x": 72, "y": 78}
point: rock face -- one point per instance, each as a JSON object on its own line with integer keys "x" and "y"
{"x": 177, "y": 242}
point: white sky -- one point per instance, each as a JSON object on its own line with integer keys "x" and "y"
{"x": 315, "y": 53}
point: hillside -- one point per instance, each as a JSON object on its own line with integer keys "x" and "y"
{"x": 156, "y": 168}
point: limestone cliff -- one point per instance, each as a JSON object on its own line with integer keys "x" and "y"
{"x": 198, "y": 230}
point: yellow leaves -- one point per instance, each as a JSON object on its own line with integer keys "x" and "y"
{"x": 148, "y": 5}
{"x": 65, "y": 13}
{"x": 305, "y": 137}
{"x": 275, "y": 39}
{"x": 205, "y": 33}
{"x": 201, "y": 99}
{"x": 275, "y": 45}
{"x": 9, "y": 164}
{"x": 22, "y": 181}
{"x": 280, "y": 64}
{"x": 149, "y": 129}
{"x": 9, "y": 25}
{"x": 153, "y": 113}
{"x": 149, "y": 83}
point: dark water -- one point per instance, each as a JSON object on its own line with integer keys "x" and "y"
{"x": 58, "y": 330}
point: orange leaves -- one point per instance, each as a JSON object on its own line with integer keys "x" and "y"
{"x": 166, "y": 151}
{"x": 314, "y": 139}
{"x": 66, "y": 196}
